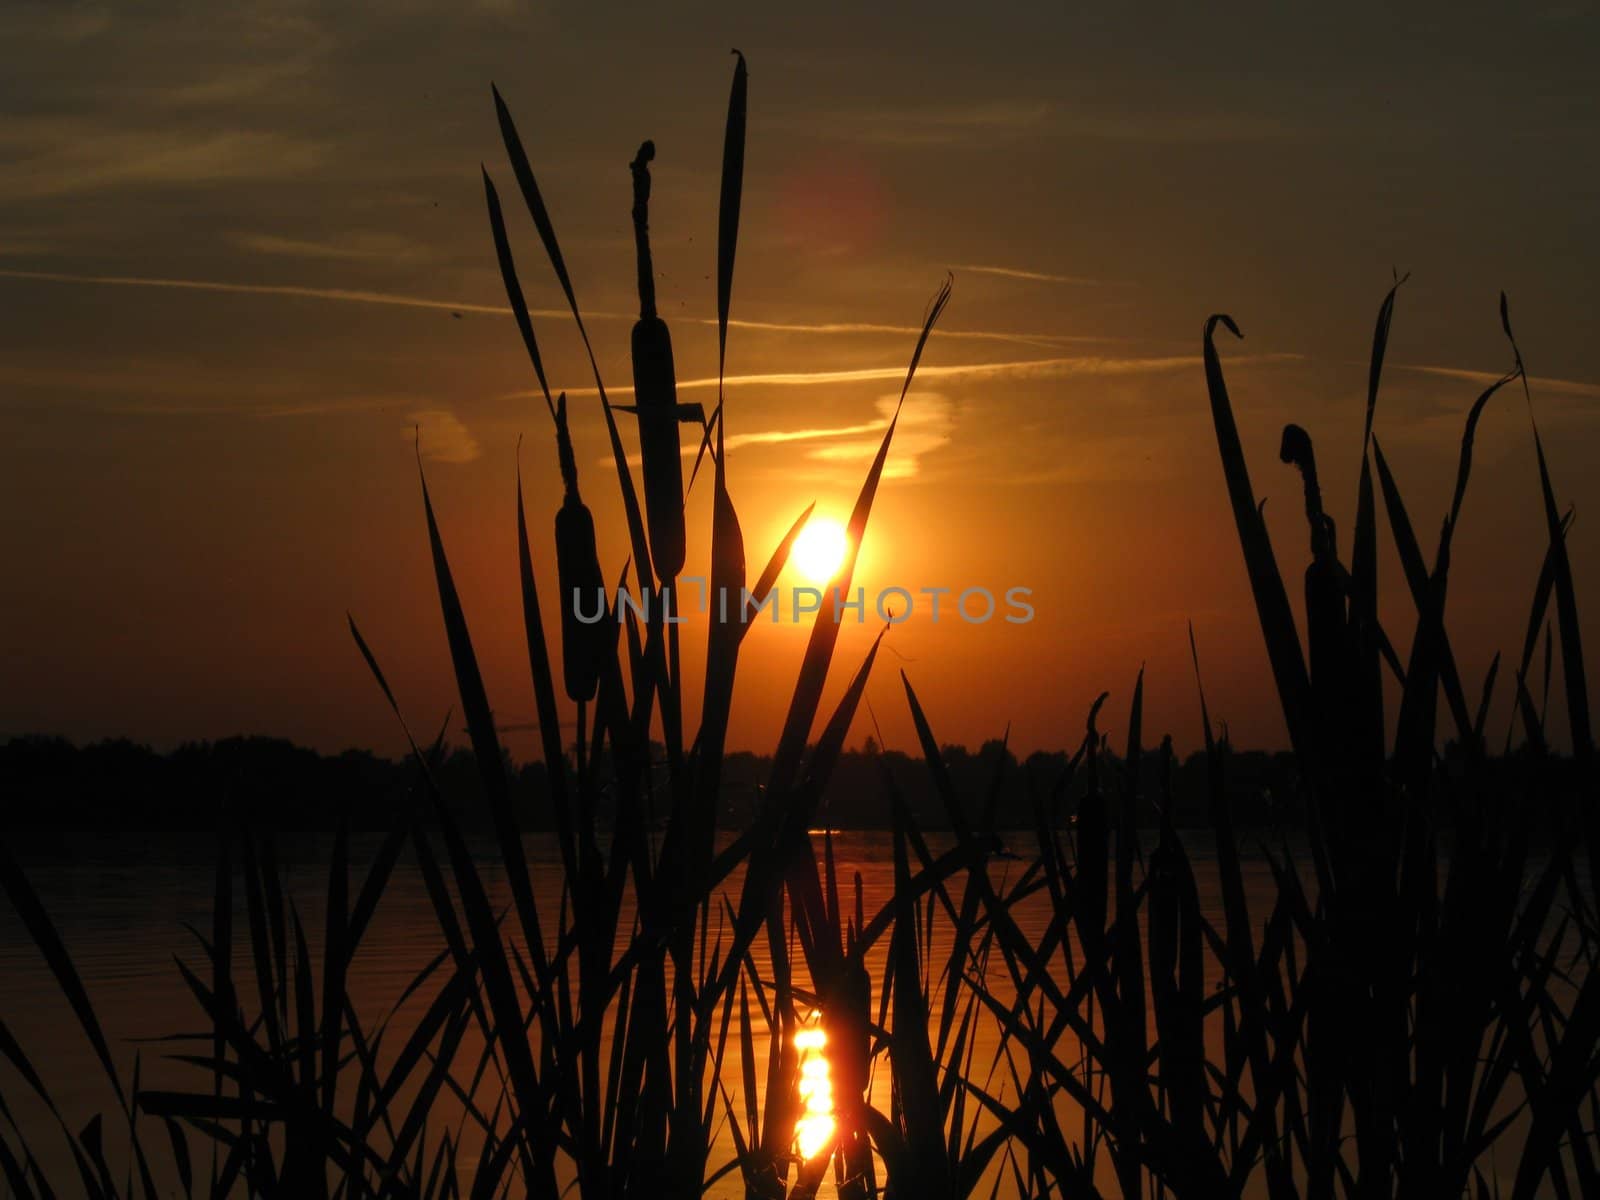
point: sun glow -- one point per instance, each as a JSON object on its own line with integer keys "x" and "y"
{"x": 813, "y": 1132}
{"x": 820, "y": 548}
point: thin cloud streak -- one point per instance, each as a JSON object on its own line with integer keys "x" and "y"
{"x": 1033, "y": 276}
{"x": 924, "y": 426}
{"x": 270, "y": 289}
{"x": 1564, "y": 387}
{"x": 1029, "y": 368}
{"x": 401, "y": 300}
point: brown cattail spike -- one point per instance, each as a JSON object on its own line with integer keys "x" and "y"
{"x": 656, "y": 395}
{"x": 583, "y": 642}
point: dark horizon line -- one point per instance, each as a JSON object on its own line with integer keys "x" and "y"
{"x": 9, "y": 739}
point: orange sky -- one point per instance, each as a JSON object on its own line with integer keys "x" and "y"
{"x": 197, "y": 481}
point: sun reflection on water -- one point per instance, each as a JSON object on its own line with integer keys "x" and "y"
{"x": 813, "y": 1131}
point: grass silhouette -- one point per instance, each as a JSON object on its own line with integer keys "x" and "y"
{"x": 1402, "y": 1018}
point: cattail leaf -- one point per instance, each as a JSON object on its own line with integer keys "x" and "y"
{"x": 508, "y": 275}
{"x": 1365, "y": 691}
{"x": 485, "y": 742}
{"x": 1431, "y": 652}
{"x": 728, "y": 206}
{"x": 544, "y": 691}
{"x": 1272, "y": 602}
{"x": 506, "y": 1007}
{"x": 42, "y": 931}
{"x": 1487, "y": 696}
{"x": 335, "y": 958}
{"x": 779, "y": 559}
{"x": 547, "y": 235}
{"x": 1572, "y": 668}
{"x": 910, "y": 1056}
{"x": 1468, "y": 436}
{"x": 825, "y": 627}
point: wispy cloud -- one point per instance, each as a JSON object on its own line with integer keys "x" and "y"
{"x": 925, "y": 425}
{"x": 360, "y": 249}
{"x": 985, "y": 122}
{"x": 1017, "y": 273}
{"x": 359, "y": 246}
{"x": 15, "y": 246}
{"x": 1538, "y": 383}
{"x": 51, "y": 157}
{"x": 777, "y": 437}
{"x": 1027, "y": 368}
{"x": 441, "y": 436}
{"x": 267, "y": 289}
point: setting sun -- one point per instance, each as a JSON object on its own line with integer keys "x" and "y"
{"x": 819, "y": 550}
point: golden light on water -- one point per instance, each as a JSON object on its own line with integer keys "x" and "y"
{"x": 813, "y": 1132}
{"x": 819, "y": 549}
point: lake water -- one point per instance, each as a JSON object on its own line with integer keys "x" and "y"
{"x": 121, "y": 904}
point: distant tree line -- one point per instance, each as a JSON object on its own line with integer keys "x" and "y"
{"x": 50, "y": 783}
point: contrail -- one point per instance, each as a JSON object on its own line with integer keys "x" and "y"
{"x": 1567, "y": 387}
{"x": 268, "y": 289}
{"x": 1017, "y": 368}
{"x": 399, "y": 300}
{"x": 1016, "y": 273}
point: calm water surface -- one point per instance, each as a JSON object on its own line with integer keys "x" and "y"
{"x": 121, "y": 904}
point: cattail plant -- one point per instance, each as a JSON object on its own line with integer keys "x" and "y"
{"x": 655, "y": 393}
{"x": 1376, "y": 1031}
{"x": 583, "y": 644}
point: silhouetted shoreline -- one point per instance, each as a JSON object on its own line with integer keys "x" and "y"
{"x": 49, "y": 782}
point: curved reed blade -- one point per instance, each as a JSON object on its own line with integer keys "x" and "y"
{"x": 544, "y": 689}
{"x": 1431, "y": 647}
{"x": 1468, "y": 437}
{"x": 1542, "y": 591}
{"x": 728, "y": 207}
{"x": 508, "y": 275}
{"x": 726, "y": 633}
{"x": 1365, "y": 690}
{"x": 1572, "y": 668}
{"x": 1486, "y": 696}
{"x": 222, "y": 950}
{"x": 775, "y": 565}
{"x": 1272, "y": 602}
{"x": 910, "y": 1055}
{"x": 47, "y": 940}
{"x": 552, "y": 248}
{"x": 1567, "y": 621}
{"x": 731, "y": 194}
{"x": 485, "y": 742}
{"x": 336, "y": 954}
{"x": 504, "y": 1004}
{"x": 771, "y": 846}
{"x": 825, "y": 626}
{"x": 1127, "y": 959}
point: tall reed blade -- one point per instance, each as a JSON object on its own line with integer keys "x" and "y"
{"x": 1365, "y": 692}
{"x": 825, "y": 627}
{"x": 544, "y": 692}
{"x": 1272, "y": 602}
{"x": 1572, "y": 668}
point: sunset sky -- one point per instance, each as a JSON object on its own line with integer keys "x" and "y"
{"x": 232, "y": 246}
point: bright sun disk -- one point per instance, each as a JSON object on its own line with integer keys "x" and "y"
{"x": 820, "y": 549}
